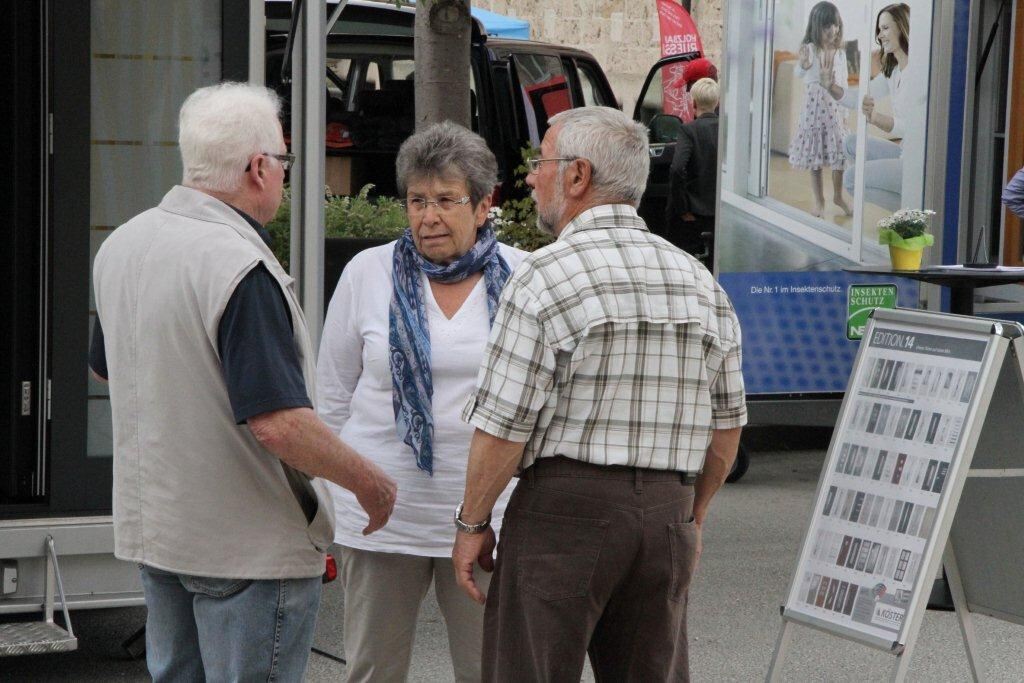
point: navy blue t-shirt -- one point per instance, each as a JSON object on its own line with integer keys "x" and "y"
{"x": 257, "y": 352}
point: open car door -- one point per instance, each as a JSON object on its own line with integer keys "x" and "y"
{"x": 663, "y": 106}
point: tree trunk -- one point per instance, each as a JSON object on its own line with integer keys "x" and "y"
{"x": 443, "y": 31}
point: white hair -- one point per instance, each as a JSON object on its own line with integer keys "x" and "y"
{"x": 705, "y": 94}
{"x": 220, "y": 128}
{"x": 615, "y": 146}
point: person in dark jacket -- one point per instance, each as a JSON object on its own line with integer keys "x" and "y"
{"x": 693, "y": 180}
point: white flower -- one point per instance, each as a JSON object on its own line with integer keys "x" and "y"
{"x": 906, "y": 217}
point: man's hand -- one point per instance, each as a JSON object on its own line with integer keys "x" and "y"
{"x": 469, "y": 549}
{"x": 300, "y": 439}
{"x": 688, "y": 217}
{"x": 376, "y": 496}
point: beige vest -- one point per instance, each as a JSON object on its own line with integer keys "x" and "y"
{"x": 194, "y": 492}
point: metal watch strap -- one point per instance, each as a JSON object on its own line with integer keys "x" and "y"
{"x": 470, "y": 528}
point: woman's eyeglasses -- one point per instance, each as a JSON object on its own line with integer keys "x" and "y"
{"x": 442, "y": 204}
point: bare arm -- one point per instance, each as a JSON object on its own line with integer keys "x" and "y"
{"x": 300, "y": 439}
{"x": 492, "y": 462}
{"x": 718, "y": 462}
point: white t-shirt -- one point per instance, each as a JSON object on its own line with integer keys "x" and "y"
{"x": 354, "y": 399}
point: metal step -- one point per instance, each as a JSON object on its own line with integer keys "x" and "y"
{"x": 34, "y": 637}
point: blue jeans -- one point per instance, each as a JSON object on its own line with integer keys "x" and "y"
{"x": 883, "y": 171}
{"x": 200, "y": 628}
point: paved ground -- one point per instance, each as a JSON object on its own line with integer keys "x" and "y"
{"x": 751, "y": 547}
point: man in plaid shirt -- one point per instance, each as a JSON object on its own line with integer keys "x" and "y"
{"x": 612, "y": 385}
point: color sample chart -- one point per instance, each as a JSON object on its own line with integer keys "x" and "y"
{"x": 888, "y": 467}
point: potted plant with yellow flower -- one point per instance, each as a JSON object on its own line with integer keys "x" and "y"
{"x": 906, "y": 233}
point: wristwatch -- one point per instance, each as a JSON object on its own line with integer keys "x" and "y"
{"x": 478, "y": 528}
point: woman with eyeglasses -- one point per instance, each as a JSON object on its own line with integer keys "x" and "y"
{"x": 402, "y": 343}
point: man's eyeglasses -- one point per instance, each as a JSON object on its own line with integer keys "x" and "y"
{"x": 286, "y": 159}
{"x": 534, "y": 163}
{"x": 443, "y": 204}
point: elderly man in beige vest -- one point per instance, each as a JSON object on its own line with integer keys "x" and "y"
{"x": 216, "y": 444}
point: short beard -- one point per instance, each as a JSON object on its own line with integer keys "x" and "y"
{"x": 546, "y": 219}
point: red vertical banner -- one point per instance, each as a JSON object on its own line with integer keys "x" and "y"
{"x": 678, "y": 36}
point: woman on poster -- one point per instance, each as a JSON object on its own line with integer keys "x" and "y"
{"x": 883, "y": 166}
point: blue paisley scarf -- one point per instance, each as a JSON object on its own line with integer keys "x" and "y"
{"x": 412, "y": 385}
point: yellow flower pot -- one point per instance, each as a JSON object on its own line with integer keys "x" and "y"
{"x": 905, "y": 259}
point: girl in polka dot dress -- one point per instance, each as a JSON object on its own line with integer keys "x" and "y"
{"x": 818, "y": 140}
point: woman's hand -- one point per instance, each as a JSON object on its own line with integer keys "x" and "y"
{"x": 867, "y": 106}
{"x": 805, "y": 56}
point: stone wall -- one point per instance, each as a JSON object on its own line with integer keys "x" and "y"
{"x": 621, "y": 34}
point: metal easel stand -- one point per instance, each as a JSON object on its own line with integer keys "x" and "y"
{"x": 964, "y": 618}
{"x": 781, "y": 650}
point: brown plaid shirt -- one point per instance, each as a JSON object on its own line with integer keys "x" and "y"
{"x": 613, "y": 347}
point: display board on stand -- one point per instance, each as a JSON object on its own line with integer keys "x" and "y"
{"x": 919, "y": 402}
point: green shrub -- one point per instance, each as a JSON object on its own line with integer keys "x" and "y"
{"x": 515, "y": 221}
{"x": 355, "y": 216}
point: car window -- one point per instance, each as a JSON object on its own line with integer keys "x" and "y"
{"x": 593, "y": 94}
{"x": 652, "y": 101}
{"x": 666, "y": 94}
{"x": 544, "y": 90}
{"x": 337, "y": 81}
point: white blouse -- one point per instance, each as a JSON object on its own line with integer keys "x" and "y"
{"x": 354, "y": 399}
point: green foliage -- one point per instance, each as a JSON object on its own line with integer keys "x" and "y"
{"x": 515, "y": 221}
{"x": 355, "y": 216}
{"x": 280, "y": 229}
{"x": 359, "y": 216}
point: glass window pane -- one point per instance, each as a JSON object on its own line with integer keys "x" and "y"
{"x": 146, "y": 59}
{"x": 590, "y": 91}
{"x": 544, "y": 89}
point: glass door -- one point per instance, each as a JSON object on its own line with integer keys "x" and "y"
{"x": 664, "y": 106}
{"x": 23, "y": 477}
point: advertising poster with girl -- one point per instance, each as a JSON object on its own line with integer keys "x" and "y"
{"x": 827, "y": 113}
{"x": 818, "y": 100}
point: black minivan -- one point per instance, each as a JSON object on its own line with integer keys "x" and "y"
{"x": 515, "y": 86}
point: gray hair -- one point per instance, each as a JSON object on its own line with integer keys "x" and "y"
{"x": 705, "y": 94}
{"x": 446, "y": 150}
{"x": 220, "y": 128}
{"x": 615, "y": 146}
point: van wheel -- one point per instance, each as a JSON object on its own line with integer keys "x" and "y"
{"x": 739, "y": 466}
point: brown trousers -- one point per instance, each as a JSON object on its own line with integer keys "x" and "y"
{"x": 593, "y": 559}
